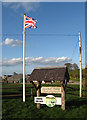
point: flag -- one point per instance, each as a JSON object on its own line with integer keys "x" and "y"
{"x": 30, "y": 22}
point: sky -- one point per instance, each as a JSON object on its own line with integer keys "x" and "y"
{"x": 86, "y": 34}
{"x": 54, "y": 42}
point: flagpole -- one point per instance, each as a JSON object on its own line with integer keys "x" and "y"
{"x": 24, "y": 60}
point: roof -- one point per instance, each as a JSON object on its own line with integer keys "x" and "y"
{"x": 15, "y": 77}
{"x": 49, "y": 74}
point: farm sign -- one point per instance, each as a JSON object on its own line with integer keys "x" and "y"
{"x": 49, "y": 100}
{"x": 53, "y": 90}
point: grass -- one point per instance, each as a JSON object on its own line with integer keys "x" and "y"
{"x": 75, "y": 74}
{"x": 14, "y": 108}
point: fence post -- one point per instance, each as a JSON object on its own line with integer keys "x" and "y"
{"x": 31, "y": 92}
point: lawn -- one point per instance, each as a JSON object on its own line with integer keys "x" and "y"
{"x": 75, "y": 74}
{"x": 14, "y": 108}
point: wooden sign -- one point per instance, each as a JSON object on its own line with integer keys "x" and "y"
{"x": 49, "y": 100}
{"x": 53, "y": 90}
{"x": 40, "y": 100}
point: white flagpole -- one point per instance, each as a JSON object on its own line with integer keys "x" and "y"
{"x": 80, "y": 65}
{"x": 24, "y": 61}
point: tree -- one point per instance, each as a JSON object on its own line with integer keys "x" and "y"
{"x": 75, "y": 66}
{"x": 68, "y": 65}
{"x": 85, "y": 83}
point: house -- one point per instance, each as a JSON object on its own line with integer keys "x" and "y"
{"x": 5, "y": 77}
{"x": 15, "y": 78}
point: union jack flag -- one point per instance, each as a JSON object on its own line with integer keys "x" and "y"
{"x": 30, "y": 22}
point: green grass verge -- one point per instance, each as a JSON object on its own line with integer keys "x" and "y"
{"x": 14, "y": 108}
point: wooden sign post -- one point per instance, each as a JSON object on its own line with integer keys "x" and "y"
{"x": 52, "y": 90}
{"x": 52, "y": 73}
{"x": 62, "y": 97}
{"x": 38, "y": 94}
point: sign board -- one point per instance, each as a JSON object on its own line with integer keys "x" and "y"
{"x": 49, "y": 100}
{"x": 53, "y": 90}
{"x": 40, "y": 100}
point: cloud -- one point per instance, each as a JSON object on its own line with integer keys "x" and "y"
{"x": 12, "y": 62}
{"x": 27, "y": 6}
{"x": 12, "y": 42}
{"x": 36, "y": 61}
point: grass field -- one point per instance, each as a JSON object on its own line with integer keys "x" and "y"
{"x": 75, "y": 74}
{"x": 14, "y": 108}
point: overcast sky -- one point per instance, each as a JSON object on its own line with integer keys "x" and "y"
{"x": 55, "y": 40}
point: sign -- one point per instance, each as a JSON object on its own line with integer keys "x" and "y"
{"x": 40, "y": 100}
{"x": 49, "y": 100}
{"x": 53, "y": 90}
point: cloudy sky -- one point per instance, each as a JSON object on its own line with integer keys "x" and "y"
{"x": 55, "y": 40}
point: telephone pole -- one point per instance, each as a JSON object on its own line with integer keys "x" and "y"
{"x": 80, "y": 65}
